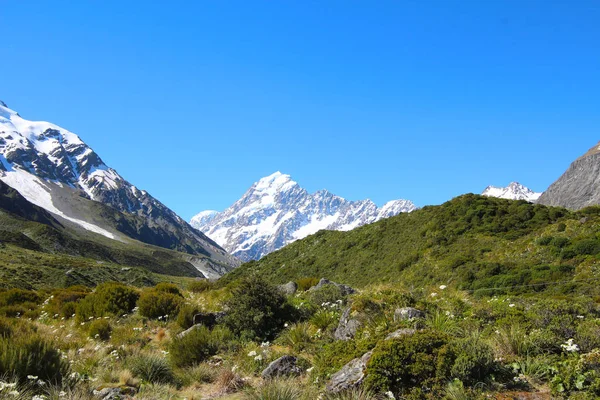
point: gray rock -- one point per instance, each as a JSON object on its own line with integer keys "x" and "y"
{"x": 114, "y": 393}
{"x": 283, "y": 366}
{"x": 347, "y": 327}
{"x": 407, "y": 313}
{"x": 188, "y": 331}
{"x": 350, "y": 376}
{"x": 345, "y": 289}
{"x": 579, "y": 186}
{"x": 400, "y": 333}
{"x": 289, "y": 288}
{"x": 208, "y": 319}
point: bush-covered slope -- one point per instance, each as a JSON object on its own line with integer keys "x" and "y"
{"x": 473, "y": 242}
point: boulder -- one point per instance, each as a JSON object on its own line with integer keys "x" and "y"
{"x": 347, "y": 327}
{"x": 289, "y": 288}
{"x": 187, "y": 331}
{"x": 350, "y": 376}
{"x": 283, "y": 366}
{"x": 407, "y": 313}
{"x": 345, "y": 289}
{"x": 400, "y": 333}
{"x": 208, "y": 319}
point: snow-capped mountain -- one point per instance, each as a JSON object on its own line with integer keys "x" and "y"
{"x": 514, "y": 191}
{"x": 54, "y": 169}
{"x": 276, "y": 211}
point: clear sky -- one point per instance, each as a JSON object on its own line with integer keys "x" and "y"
{"x": 425, "y": 100}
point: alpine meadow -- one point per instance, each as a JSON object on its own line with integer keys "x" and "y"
{"x": 300, "y": 200}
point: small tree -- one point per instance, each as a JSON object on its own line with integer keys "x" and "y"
{"x": 257, "y": 310}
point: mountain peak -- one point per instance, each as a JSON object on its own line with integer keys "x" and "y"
{"x": 274, "y": 183}
{"x": 3, "y": 104}
{"x": 275, "y": 180}
{"x": 276, "y": 211}
{"x": 514, "y": 191}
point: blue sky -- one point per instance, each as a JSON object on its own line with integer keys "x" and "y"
{"x": 193, "y": 101}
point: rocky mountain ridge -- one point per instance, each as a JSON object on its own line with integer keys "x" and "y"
{"x": 54, "y": 169}
{"x": 276, "y": 211}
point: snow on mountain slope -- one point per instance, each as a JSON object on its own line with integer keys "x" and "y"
{"x": 276, "y": 211}
{"x": 39, "y": 159}
{"x": 514, "y": 191}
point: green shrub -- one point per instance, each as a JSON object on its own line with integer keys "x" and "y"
{"x": 414, "y": 361}
{"x": 324, "y": 319}
{"x": 29, "y": 354}
{"x": 109, "y": 298}
{"x": 193, "y": 348}
{"x": 306, "y": 283}
{"x": 100, "y": 329}
{"x": 185, "y": 317}
{"x": 474, "y": 360}
{"x": 326, "y": 294}
{"x": 577, "y": 374}
{"x": 13, "y": 297}
{"x": 586, "y": 247}
{"x": 560, "y": 242}
{"x": 333, "y": 356}
{"x": 297, "y": 336}
{"x": 200, "y": 373}
{"x": 257, "y": 310}
{"x": 588, "y": 335}
{"x": 200, "y": 286}
{"x": 64, "y": 301}
{"x": 168, "y": 288}
{"x": 275, "y": 389}
{"x": 152, "y": 368}
{"x": 154, "y": 303}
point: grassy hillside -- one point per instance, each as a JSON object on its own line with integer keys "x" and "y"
{"x": 471, "y": 242}
{"x": 36, "y": 251}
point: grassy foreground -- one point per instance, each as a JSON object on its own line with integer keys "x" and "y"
{"x": 66, "y": 343}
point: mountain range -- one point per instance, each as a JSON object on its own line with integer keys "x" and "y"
{"x": 54, "y": 169}
{"x": 514, "y": 191}
{"x": 276, "y": 211}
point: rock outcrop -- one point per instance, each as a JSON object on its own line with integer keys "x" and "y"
{"x": 579, "y": 186}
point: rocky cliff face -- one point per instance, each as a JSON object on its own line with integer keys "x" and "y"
{"x": 579, "y": 186}
{"x": 276, "y": 211}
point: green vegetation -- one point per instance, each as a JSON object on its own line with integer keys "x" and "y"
{"x": 160, "y": 302}
{"x": 100, "y": 329}
{"x": 508, "y": 294}
{"x": 472, "y": 242}
{"x": 257, "y": 310}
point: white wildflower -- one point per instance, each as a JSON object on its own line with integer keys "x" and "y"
{"x": 442, "y": 287}
{"x": 569, "y": 346}
{"x": 252, "y": 353}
